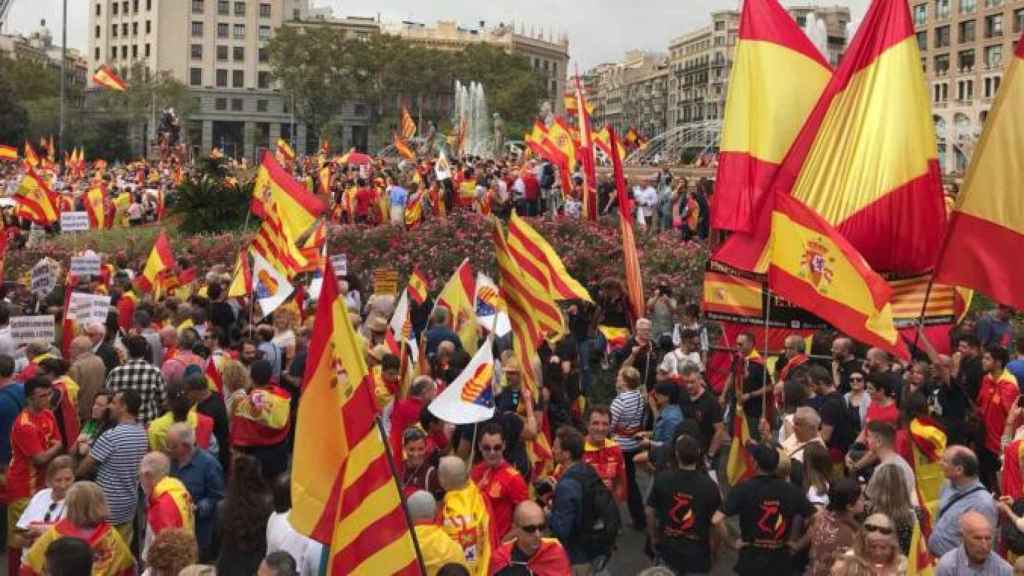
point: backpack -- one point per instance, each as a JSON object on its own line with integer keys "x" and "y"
{"x": 599, "y": 522}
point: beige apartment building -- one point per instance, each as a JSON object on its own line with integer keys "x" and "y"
{"x": 965, "y": 48}
{"x": 39, "y": 47}
{"x": 616, "y": 84}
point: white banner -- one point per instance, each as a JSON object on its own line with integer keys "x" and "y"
{"x": 86, "y": 265}
{"x": 43, "y": 278}
{"x": 86, "y": 308}
{"x": 25, "y": 329}
{"x": 74, "y": 221}
{"x": 340, "y": 264}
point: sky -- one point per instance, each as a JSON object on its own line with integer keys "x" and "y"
{"x": 599, "y": 30}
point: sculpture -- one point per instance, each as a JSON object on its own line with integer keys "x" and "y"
{"x": 499, "y": 133}
{"x": 546, "y": 114}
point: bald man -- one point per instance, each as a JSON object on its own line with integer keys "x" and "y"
{"x": 795, "y": 355}
{"x": 974, "y": 555}
{"x": 436, "y": 545}
{"x": 89, "y": 372}
{"x": 541, "y": 556}
{"x": 464, "y": 513}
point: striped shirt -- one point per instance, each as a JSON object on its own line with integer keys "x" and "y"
{"x": 627, "y": 419}
{"x": 119, "y": 452}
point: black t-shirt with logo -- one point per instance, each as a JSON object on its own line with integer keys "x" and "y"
{"x": 684, "y": 502}
{"x": 705, "y": 410}
{"x": 766, "y": 506}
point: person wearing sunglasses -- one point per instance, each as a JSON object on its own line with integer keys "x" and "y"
{"x": 500, "y": 482}
{"x": 878, "y": 544}
{"x": 857, "y": 398}
{"x": 529, "y": 553}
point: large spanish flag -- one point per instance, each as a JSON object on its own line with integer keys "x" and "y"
{"x": 107, "y": 78}
{"x": 561, "y": 138}
{"x": 866, "y": 159}
{"x": 8, "y": 153}
{"x": 276, "y": 191}
{"x": 160, "y": 260}
{"x": 764, "y": 110}
{"x": 537, "y": 258}
{"x": 35, "y": 200}
{"x": 96, "y": 205}
{"x": 815, "y": 268}
{"x": 983, "y": 249}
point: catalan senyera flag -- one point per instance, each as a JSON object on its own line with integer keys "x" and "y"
{"x": 30, "y": 155}
{"x": 537, "y": 258}
{"x": 402, "y": 147}
{"x": 343, "y": 491}
{"x": 764, "y": 110}
{"x": 160, "y": 260}
{"x": 919, "y": 561}
{"x": 9, "y": 153}
{"x": 35, "y": 200}
{"x": 586, "y": 155}
{"x": 814, "y": 267}
{"x": 986, "y": 231}
{"x": 408, "y": 124}
{"x": 866, "y": 159}
{"x": 457, "y": 296}
{"x": 532, "y": 311}
{"x": 107, "y": 78}
{"x": 419, "y": 286}
{"x": 602, "y": 139}
{"x": 634, "y": 280}
{"x": 276, "y": 191}
{"x": 927, "y": 443}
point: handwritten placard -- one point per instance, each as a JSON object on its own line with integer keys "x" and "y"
{"x": 26, "y": 329}
{"x": 74, "y": 221}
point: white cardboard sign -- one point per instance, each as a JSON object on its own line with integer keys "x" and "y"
{"x": 74, "y": 221}
{"x": 26, "y": 329}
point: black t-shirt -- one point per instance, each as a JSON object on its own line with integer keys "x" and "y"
{"x": 834, "y": 413}
{"x": 846, "y": 368}
{"x": 970, "y": 375}
{"x": 614, "y": 312}
{"x": 755, "y": 380}
{"x": 222, "y": 315}
{"x": 766, "y": 506}
{"x": 705, "y": 411}
{"x": 685, "y": 501}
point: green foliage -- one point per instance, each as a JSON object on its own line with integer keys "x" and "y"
{"x": 13, "y": 115}
{"x": 210, "y": 200}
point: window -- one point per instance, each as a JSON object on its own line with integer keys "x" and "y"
{"x": 238, "y": 78}
{"x": 992, "y": 86}
{"x": 236, "y": 104}
{"x": 135, "y": 50}
{"x": 197, "y": 6}
{"x": 942, "y": 36}
{"x": 1018, "y": 20}
{"x": 965, "y": 60}
{"x": 265, "y": 10}
{"x": 967, "y": 31}
{"x": 941, "y": 63}
{"x": 222, "y": 78}
{"x": 124, "y": 29}
{"x": 135, "y": 5}
{"x": 99, "y": 10}
{"x": 994, "y": 56}
{"x": 238, "y": 53}
{"x": 262, "y": 106}
{"x": 97, "y": 52}
{"x": 222, "y": 53}
{"x": 147, "y": 49}
{"x": 920, "y": 14}
{"x": 941, "y": 8}
{"x": 124, "y": 6}
{"x": 124, "y": 52}
{"x": 968, "y": 6}
{"x": 149, "y": 5}
{"x": 113, "y": 52}
{"x": 993, "y": 26}
{"x": 223, "y": 7}
{"x": 263, "y": 79}
{"x": 197, "y": 51}
{"x": 135, "y": 28}
{"x": 360, "y": 110}
{"x": 965, "y": 90}
{"x": 720, "y": 25}
{"x": 97, "y": 31}
{"x": 115, "y": 8}
{"x": 197, "y": 28}
{"x": 239, "y": 8}
{"x": 113, "y": 30}
{"x": 262, "y": 55}
{"x": 222, "y": 30}
{"x": 220, "y": 104}
{"x": 149, "y": 26}
{"x": 264, "y": 32}
{"x": 993, "y": 3}
{"x": 238, "y": 31}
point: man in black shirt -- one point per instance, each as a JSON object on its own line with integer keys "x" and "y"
{"x": 967, "y": 368}
{"x": 222, "y": 315}
{"x": 844, "y": 363}
{"x": 837, "y": 426}
{"x": 952, "y": 400}
{"x": 679, "y": 511}
{"x": 755, "y": 382}
{"x": 698, "y": 404}
{"x": 771, "y": 511}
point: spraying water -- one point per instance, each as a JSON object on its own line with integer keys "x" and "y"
{"x": 817, "y": 33}
{"x": 471, "y": 114}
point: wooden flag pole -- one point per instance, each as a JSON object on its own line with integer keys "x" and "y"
{"x": 401, "y": 493}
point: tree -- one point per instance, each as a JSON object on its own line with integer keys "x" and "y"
{"x": 13, "y": 116}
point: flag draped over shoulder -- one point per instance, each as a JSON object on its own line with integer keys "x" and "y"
{"x": 532, "y": 310}
{"x": 764, "y": 110}
{"x": 537, "y": 258}
{"x": 986, "y": 231}
{"x": 160, "y": 261}
{"x": 866, "y": 160}
{"x": 343, "y": 491}
{"x": 106, "y": 77}
{"x": 811, "y": 265}
{"x": 927, "y": 443}
{"x": 634, "y": 281}
{"x": 35, "y": 200}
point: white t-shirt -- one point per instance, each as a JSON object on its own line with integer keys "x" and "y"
{"x": 305, "y": 551}
{"x": 39, "y": 507}
{"x": 674, "y": 361}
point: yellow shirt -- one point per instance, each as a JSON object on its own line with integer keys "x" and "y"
{"x": 438, "y": 548}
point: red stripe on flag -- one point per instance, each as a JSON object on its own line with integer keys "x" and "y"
{"x": 376, "y": 475}
{"x": 291, "y": 187}
{"x": 971, "y": 261}
{"x": 390, "y": 527}
{"x": 560, "y": 288}
{"x": 742, "y": 188}
{"x": 767, "y": 21}
{"x": 357, "y": 415}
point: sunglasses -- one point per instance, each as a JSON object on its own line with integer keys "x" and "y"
{"x": 492, "y": 448}
{"x": 49, "y": 513}
{"x": 884, "y": 530}
{"x": 533, "y": 528}
{"x": 856, "y": 379}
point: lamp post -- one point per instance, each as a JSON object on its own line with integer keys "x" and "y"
{"x": 63, "y": 69}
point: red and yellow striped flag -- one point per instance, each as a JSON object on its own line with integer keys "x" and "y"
{"x": 536, "y": 257}
{"x": 634, "y": 281}
{"x": 987, "y": 228}
{"x": 96, "y": 206}
{"x": 561, "y": 139}
{"x": 408, "y": 124}
{"x": 419, "y": 286}
{"x": 35, "y": 200}
{"x": 343, "y": 491}
{"x": 288, "y": 211}
{"x": 159, "y": 262}
{"x": 30, "y": 155}
{"x": 107, "y": 78}
{"x": 9, "y": 153}
{"x": 532, "y": 311}
{"x": 403, "y": 148}
{"x": 764, "y": 110}
{"x": 927, "y": 443}
{"x": 866, "y": 160}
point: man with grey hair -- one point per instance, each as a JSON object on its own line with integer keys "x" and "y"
{"x": 407, "y": 411}
{"x": 464, "y": 513}
{"x": 97, "y": 333}
{"x": 169, "y": 504}
{"x": 439, "y": 331}
{"x": 202, "y": 476}
{"x": 179, "y": 354}
{"x": 641, "y": 352}
{"x": 142, "y": 324}
{"x": 806, "y": 422}
{"x": 278, "y": 563}
{"x": 700, "y": 405}
{"x": 436, "y": 545}
{"x": 974, "y": 555}
{"x": 88, "y": 371}
{"x": 963, "y": 493}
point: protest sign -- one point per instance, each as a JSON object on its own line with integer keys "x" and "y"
{"x": 43, "y": 278}
{"x": 88, "y": 265}
{"x": 340, "y": 264}
{"x": 25, "y": 329}
{"x": 385, "y": 281}
{"x": 87, "y": 308}
{"x": 74, "y": 221}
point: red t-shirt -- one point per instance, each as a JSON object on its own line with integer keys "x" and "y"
{"x": 31, "y": 435}
{"x": 609, "y": 464}
{"x": 504, "y": 488}
{"x": 879, "y": 413}
{"x": 532, "y": 186}
{"x": 364, "y": 196}
{"x": 406, "y": 413}
{"x": 995, "y": 398}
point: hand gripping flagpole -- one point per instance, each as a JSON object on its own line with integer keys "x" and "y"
{"x": 401, "y": 494}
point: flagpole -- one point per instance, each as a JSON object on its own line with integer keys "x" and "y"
{"x": 63, "y": 69}
{"x": 764, "y": 373}
{"x": 401, "y": 493}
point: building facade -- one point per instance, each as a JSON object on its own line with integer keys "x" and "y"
{"x": 631, "y": 93}
{"x": 966, "y": 46}
{"x": 38, "y": 47}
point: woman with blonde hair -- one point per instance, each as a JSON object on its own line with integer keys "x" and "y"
{"x": 888, "y": 495}
{"x": 627, "y": 419}
{"x": 877, "y": 543}
{"x": 86, "y": 519}
{"x": 48, "y": 505}
{"x": 171, "y": 552}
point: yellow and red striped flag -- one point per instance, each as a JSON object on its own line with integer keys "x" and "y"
{"x": 343, "y": 490}
{"x": 602, "y": 139}
{"x": 634, "y": 280}
{"x": 927, "y": 443}
{"x": 740, "y": 464}
{"x": 919, "y": 561}
{"x": 288, "y": 211}
{"x": 561, "y": 138}
{"x": 284, "y": 150}
{"x": 419, "y": 286}
{"x": 9, "y": 153}
{"x": 402, "y": 147}
{"x": 536, "y": 257}
{"x": 866, "y": 159}
{"x": 35, "y": 200}
{"x": 815, "y": 268}
{"x": 96, "y": 206}
{"x": 30, "y": 155}
{"x": 764, "y": 110}
{"x": 159, "y": 262}
{"x": 982, "y": 249}
{"x": 107, "y": 78}
{"x": 586, "y": 155}
{"x": 408, "y": 124}
{"x": 532, "y": 312}
{"x": 457, "y": 297}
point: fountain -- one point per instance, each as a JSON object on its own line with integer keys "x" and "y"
{"x": 817, "y": 33}
{"x": 472, "y": 117}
